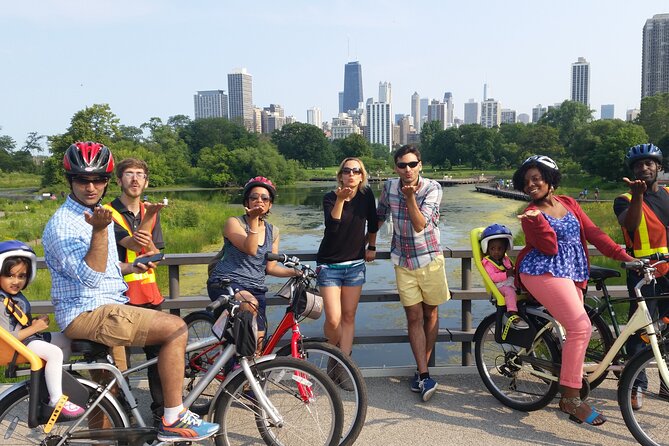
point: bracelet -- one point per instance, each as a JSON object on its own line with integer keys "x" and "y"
{"x": 252, "y": 232}
{"x": 371, "y": 248}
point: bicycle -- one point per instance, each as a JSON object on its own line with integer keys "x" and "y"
{"x": 340, "y": 367}
{"x": 532, "y": 371}
{"x": 276, "y": 400}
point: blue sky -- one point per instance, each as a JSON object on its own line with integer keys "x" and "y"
{"x": 148, "y": 57}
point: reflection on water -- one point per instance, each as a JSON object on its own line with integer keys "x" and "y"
{"x": 299, "y": 215}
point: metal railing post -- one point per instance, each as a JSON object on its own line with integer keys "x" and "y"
{"x": 466, "y": 310}
{"x": 173, "y": 272}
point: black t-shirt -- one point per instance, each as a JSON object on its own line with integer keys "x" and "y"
{"x": 657, "y": 201}
{"x": 133, "y": 222}
{"x": 344, "y": 239}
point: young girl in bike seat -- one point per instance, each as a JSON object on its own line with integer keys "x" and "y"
{"x": 18, "y": 265}
{"x": 496, "y": 240}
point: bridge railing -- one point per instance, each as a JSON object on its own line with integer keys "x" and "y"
{"x": 464, "y": 292}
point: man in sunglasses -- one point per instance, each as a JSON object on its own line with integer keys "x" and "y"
{"x": 137, "y": 231}
{"x": 88, "y": 290}
{"x": 413, "y": 202}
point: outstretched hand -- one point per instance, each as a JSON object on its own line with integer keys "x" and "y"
{"x": 100, "y": 218}
{"x": 254, "y": 212}
{"x": 409, "y": 191}
{"x": 638, "y": 187}
{"x": 152, "y": 209}
{"x": 344, "y": 192}
{"x": 531, "y": 213}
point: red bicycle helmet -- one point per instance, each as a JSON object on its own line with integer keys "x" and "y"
{"x": 88, "y": 158}
{"x": 259, "y": 182}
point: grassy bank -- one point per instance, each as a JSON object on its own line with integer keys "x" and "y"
{"x": 18, "y": 180}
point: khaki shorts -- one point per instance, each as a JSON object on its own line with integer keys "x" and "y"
{"x": 427, "y": 284}
{"x": 113, "y": 325}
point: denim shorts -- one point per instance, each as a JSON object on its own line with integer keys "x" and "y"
{"x": 348, "y": 276}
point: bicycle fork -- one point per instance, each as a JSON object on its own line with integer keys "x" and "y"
{"x": 306, "y": 391}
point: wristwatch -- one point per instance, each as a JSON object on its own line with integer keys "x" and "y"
{"x": 371, "y": 248}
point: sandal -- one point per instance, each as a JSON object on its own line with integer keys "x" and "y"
{"x": 575, "y": 403}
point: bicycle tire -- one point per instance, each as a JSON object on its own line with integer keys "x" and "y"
{"x": 242, "y": 421}
{"x": 601, "y": 341}
{"x": 513, "y": 385}
{"x": 15, "y": 429}
{"x": 348, "y": 378}
{"x": 649, "y": 424}
{"x": 199, "y": 325}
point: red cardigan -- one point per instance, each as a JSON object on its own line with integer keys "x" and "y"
{"x": 540, "y": 235}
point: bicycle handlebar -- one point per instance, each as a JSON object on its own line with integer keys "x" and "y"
{"x": 222, "y": 300}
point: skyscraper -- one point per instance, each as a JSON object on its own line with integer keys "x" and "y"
{"x": 240, "y": 89}
{"x": 538, "y": 112}
{"x": 508, "y": 116}
{"x": 448, "y": 100}
{"x": 211, "y": 104}
{"x": 315, "y": 117}
{"x": 580, "y": 81}
{"x": 655, "y": 60}
{"x": 415, "y": 110}
{"x": 491, "y": 113}
{"x": 607, "y": 111}
{"x": 436, "y": 111}
{"x": 472, "y": 112}
{"x": 385, "y": 92}
{"x": 424, "y": 102}
{"x": 352, "y": 86}
{"x": 380, "y": 123}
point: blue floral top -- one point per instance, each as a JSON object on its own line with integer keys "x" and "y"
{"x": 570, "y": 261}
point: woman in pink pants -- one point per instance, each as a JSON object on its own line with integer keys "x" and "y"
{"x": 553, "y": 267}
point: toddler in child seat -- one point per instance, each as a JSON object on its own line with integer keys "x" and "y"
{"x": 496, "y": 240}
{"x": 18, "y": 265}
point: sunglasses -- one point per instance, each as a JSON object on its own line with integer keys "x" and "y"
{"x": 263, "y": 197}
{"x": 85, "y": 181}
{"x": 351, "y": 171}
{"x": 412, "y": 164}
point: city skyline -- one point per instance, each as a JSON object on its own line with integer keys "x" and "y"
{"x": 147, "y": 58}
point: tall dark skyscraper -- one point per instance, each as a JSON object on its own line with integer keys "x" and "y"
{"x": 352, "y": 86}
{"x": 655, "y": 63}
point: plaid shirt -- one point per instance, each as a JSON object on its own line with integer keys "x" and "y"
{"x": 411, "y": 249}
{"x": 75, "y": 287}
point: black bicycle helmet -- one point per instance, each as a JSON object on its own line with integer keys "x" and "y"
{"x": 88, "y": 158}
{"x": 15, "y": 248}
{"x": 495, "y": 231}
{"x": 643, "y": 151}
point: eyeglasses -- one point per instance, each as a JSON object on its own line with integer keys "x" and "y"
{"x": 412, "y": 164}
{"x": 263, "y": 197}
{"x": 140, "y": 175}
{"x": 85, "y": 181}
{"x": 351, "y": 170}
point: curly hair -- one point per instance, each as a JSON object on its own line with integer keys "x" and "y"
{"x": 550, "y": 176}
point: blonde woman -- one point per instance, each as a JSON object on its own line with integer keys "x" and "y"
{"x": 344, "y": 250}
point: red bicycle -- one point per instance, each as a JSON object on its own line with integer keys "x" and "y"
{"x": 303, "y": 302}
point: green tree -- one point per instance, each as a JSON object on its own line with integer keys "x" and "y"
{"x": 654, "y": 116}
{"x": 428, "y": 131}
{"x": 210, "y": 132}
{"x": 443, "y": 149}
{"x": 353, "y": 145}
{"x": 568, "y": 118}
{"x": 305, "y": 143}
{"x": 131, "y": 133}
{"x": 33, "y": 143}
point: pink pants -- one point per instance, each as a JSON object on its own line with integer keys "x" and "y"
{"x": 564, "y": 301}
{"x": 510, "y": 299}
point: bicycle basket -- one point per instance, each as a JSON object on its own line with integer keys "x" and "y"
{"x": 507, "y": 334}
{"x": 245, "y": 333}
{"x": 307, "y": 302}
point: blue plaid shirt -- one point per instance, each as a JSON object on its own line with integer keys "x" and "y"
{"x": 411, "y": 249}
{"x": 75, "y": 287}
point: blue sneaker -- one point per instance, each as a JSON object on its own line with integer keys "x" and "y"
{"x": 188, "y": 427}
{"x": 415, "y": 383}
{"x": 427, "y": 388}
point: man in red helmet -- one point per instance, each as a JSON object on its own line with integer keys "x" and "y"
{"x": 88, "y": 290}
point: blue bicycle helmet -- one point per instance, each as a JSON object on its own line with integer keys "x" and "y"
{"x": 495, "y": 231}
{"x": 15, "y": 248}
{"x": 641, "y": 152}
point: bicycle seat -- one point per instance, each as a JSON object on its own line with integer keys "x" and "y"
{"x": 89, "y": 348}
{"x": 600, "y": 273}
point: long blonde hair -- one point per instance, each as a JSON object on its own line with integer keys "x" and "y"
{"x": 363, "y": 183}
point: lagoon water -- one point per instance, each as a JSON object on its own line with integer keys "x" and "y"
{"x": 299, "y": 215}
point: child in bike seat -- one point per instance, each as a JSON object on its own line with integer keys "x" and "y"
{"x": 18, "y": 265}
{"x": 496, "y": 240}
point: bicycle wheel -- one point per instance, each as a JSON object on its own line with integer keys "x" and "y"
{"x": 350, "y": 383}
{"x": 600, "y": 343}
{"x": 315, "y": 422}
{"x": 15, "y": 429}
{"x": 514, "y": 383}
{"x": 198, "y": 362}
{"x": 650, "y": 424}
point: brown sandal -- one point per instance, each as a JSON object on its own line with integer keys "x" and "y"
{"x": 595, "y": 418}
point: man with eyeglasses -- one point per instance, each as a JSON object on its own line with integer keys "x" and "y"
{"x": 137, "y": 231}
{"x": 413, "y": 202}
{"x": 88, "y": 290}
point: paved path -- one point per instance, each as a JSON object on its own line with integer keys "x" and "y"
{"x": 462, "y": 412}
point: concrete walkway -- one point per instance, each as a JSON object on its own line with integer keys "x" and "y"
{"x": 462, "y": 412}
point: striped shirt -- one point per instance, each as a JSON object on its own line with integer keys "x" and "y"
{"x": 411, "y": 249}
{"x": 75, "y": 287}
